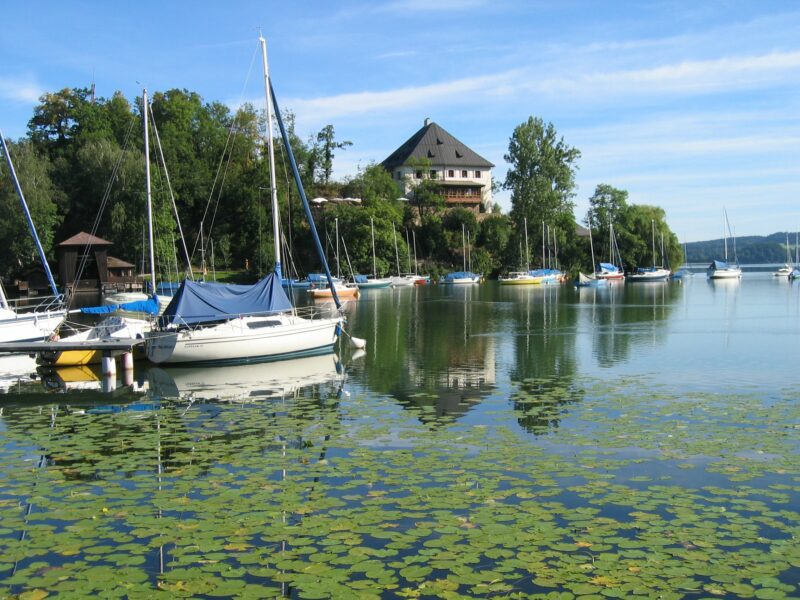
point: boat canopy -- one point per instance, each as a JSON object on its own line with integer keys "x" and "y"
{"x": 196, "y": 302}
{"x": 718, "y": 264}
{"x": 608, "y": 267}
{"x": 361, "y": 279}
{"x": 461, "y": 275}
{"x": 149, "y": 306}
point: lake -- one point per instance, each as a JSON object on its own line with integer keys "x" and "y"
{"x": 493, "y": 441}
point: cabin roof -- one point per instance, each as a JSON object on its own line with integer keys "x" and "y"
{"x": 435, "y": 144}
{"x": 85, "y": 239}
{"x": 117, "y": 263}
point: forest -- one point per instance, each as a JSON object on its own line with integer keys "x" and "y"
{"x": 81, "y": 166}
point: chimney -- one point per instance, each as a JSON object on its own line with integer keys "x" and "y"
{"x": 427, "y": 121}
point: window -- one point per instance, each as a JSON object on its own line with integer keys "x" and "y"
{"x": 451, "y": 173}
{"x": 464, "y": 174}
{"x": 477, "y": 174}
{"x": 399, "y": 175}
{"x": 433, "y": 174}
{"x": 418, "y": 174}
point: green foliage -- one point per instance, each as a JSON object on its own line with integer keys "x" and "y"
{"x": 33, "y": 170}
{"x": 326, "y": 145}
{"x": 542, "y": 173}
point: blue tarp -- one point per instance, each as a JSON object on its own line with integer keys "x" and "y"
{"x": 718, "y": 264}
{"x": 608, "y": 267}
{"x": 361, "y": 278}
{"x": 149, "y": 306}
{"x": 205, "y": 302}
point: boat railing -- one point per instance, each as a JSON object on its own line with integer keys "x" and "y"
{"x": 305, "y": 312}
{"x": 39, "y": 304}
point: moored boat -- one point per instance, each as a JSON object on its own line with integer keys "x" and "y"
{"x": 519, "y": 278}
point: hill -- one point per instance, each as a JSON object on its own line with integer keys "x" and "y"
{"x": 750, "y": 249}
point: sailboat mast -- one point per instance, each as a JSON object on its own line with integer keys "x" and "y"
{"x": 725, "y": 232}
{"x": 464, "y": 242}
{"x": 653, "y": 226}
{"x": 372, "y": 230}
{"x": 408, "y": 251}
{"x": 591, "y": 247}
{"x": 276, "y": 227}
{"x": 543, "y": 262}
{"x": 396, "y": 255}
{"x": 338, "y": 270}
{"x": 28, "y": 218}
{"x": 414, "y": 238}
{"x": 146, "y": 118}
{"x": 527, "y": 254}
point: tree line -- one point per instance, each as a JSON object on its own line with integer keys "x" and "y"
{"x": 81, "y": 166}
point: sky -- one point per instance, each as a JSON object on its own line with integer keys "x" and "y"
{"x": 691, "y": 106}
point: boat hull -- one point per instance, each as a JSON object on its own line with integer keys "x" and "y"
{"x": 650, "y": 275}
{"x": 244, "y": 339}
{"x": 724, "y": 273}
{"x": 520, "y": 281}
{"x": 28, "y": 327}
{"x": 343, "y": 292}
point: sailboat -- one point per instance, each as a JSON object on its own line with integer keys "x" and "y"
{"x": 653, "y": 273}
{"x": 786, "y": 269}
{"x": 465, "y": 276}
{"x": 323, "y": 290}
{"x": 373, "y": 282}
{"x": 521, "y": 277}
{"x": 590, "y": 280}
{"x": 610, "y": 271}
{"x": 219, "y": 323}
{"x": 116, "y": 325}
{"x": 38, "y": 322}
{"x": 719, "y": 269}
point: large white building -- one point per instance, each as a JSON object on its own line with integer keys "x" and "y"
{"x": 465, "y": 177}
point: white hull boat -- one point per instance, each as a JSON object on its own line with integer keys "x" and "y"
{"x": 28, "y": 327}
{"x": 245, "y": 339}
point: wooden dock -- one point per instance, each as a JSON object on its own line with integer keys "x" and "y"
{"x": 110, "y": 345}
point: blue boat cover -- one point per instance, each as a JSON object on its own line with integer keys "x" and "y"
{"x": 608, "y": 267}
{"x": 205, "y": 302}
{"x": 718, "y": 264}
{"x": 361, "y": 278}
{"x": 149, "y": 306}
{"x": 460, "y": 275}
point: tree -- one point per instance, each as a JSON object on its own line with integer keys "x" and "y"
{"x": 33, "y": 170}
{"x": 605, "y": 206}
{"x": 542, "y": 183}
{"x": 636, "y": 239}
{"x": 542, "y": 173}
{"x": 327, "y": 145}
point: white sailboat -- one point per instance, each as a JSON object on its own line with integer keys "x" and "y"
{"x": 464, "y": 277}
{"x": 216, "y": 323}
{"x": 786, "y": 269}
{"x": 653, "y": 273}
{"x": 374, "y": 282}
{"x": 722, "y": 269}
{"x": 521, "y": 277}
{"x": 35, "y": 322}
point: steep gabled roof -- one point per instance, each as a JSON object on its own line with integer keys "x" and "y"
{"x": 85, "y": 239}
{"x": 439, "y": 147}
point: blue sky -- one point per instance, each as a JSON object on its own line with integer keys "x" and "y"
{"x": 688, "y": 105}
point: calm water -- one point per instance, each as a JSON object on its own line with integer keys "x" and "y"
{"x": 634, "y": 441}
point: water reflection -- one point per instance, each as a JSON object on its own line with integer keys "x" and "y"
{"x": 427, "y": 349}
{"x": 243, "y": 383}
{"x": 621, "y": 317}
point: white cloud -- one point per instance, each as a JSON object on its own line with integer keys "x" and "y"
{"x": 17, "y": 90}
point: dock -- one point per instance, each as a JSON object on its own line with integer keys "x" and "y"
{"x": 111, "y": 345}
{"x": 110, "y": 348}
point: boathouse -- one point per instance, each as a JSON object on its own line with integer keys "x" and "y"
{"x": 84, "y": 257}
{"x": 464, "y": 177}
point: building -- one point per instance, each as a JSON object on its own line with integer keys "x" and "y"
{"x": 85, "y": 256}
{"x": 464, "y": 176}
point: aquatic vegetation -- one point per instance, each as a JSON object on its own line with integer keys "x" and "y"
{"x": 571, "y": 489}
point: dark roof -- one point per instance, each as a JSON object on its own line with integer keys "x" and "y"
{"x": 117, "y": 263}
{"x": 439, "y": 147}
{"x": 85, "y": 239}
